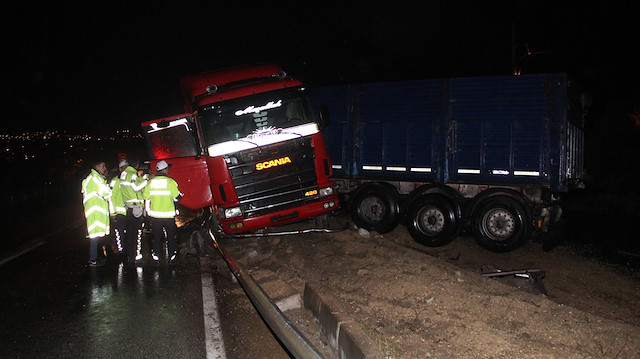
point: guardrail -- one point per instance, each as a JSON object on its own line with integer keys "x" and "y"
{"x": 277, "y": 321}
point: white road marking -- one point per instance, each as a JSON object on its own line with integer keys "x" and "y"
{"x": 30, "y": 246}
{"x": 212, "y": 331}
{"x": 35, "y": 243}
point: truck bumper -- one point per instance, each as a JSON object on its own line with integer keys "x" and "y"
{"x": 323, "y": 206}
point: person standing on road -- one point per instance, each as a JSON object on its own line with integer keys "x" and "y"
{"x": 117, "y": 210}
{"x": 131, "y": 186}
{"x": 161, "y": 195}
{"x": 95, "y": 197}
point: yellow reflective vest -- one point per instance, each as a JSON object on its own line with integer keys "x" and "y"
{"x": 116, "y": 203}
{"x": 131, "y": 186}
{"x": 95, "y": 197}
{"x": 161, "y": 194}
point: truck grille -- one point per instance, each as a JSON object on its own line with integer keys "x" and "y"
{"x": 274, "y": 177}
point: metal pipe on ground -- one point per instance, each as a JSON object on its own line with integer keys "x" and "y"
{"x": 277, "y": 321}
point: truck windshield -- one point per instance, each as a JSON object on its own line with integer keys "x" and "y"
{"x": 256, "y": 120}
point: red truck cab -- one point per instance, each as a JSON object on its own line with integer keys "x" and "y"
{"x": 249, "y": 146}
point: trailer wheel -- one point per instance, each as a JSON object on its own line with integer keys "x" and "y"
{"x": 376, "y": 209}
{"x": 500, "y": 224}
{"x": 432, "y": 220}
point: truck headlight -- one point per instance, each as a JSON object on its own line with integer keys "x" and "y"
{"x": 325, "y": 192}
{"x": 232, "y": 212}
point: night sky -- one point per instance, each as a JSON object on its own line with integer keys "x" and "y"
{"x": 100, "y": 65}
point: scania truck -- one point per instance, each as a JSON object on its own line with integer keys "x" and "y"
{"x": 491, "y": 156}
{"x": 248, "y": 147}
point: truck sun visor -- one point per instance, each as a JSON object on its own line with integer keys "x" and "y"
{"x": 262, "y": 137}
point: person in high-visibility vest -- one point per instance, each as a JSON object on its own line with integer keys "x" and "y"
{"x": 131, "y": 186}
{"x": 160, "y": 195}
{"x": 95, "y": 197}
{"x": 117, "y": 211}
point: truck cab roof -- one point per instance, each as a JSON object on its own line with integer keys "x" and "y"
{"x": 232, "y": 82}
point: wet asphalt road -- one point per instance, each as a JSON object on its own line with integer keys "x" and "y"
{"x": 54, "y": 306}
{"x": 245, "y": 334}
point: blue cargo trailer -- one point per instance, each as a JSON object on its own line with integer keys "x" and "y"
{"x": 489, "y": 154}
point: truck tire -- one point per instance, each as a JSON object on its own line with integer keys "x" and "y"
{"x": 500, "y": 224}
{"x": 375, "y": 208}
{"x": 432, "y": 220}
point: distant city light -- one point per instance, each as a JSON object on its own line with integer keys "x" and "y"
{"x": 27, "y": 146}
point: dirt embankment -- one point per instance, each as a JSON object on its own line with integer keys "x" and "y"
{"x": 434, "y": 303}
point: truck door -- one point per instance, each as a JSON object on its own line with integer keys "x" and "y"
{"x": 174, "y": 139}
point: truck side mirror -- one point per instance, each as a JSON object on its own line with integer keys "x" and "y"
{"x": 323, "y": 114}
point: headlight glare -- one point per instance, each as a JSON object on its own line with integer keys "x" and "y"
{"x": 232, "y": 212}
{"x": 325, "y": 192}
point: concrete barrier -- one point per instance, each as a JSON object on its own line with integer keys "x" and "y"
{"x": 343, "y": 334}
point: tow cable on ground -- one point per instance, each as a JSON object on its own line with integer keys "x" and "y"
{"x": 286, "y": 233}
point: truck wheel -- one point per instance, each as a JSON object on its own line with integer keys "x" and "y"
{"x": 375, "y": 209}
{"x": 432, "y": 220}
{"x": 500, "y": 224}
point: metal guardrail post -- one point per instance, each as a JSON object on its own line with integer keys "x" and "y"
{"x": 277, "y": 321}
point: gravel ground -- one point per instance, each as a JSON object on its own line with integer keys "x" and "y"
{"x": 419, "y": 302}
